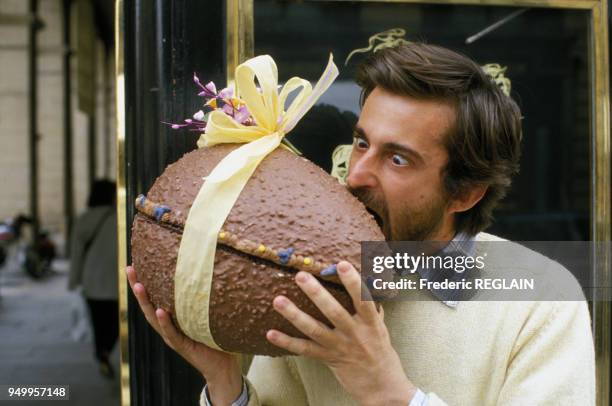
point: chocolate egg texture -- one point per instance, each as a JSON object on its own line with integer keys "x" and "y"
{"x": 290, "y": 216}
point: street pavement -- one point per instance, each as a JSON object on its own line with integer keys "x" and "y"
{"x": 45, "y": 338}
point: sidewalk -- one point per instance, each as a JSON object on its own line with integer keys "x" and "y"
{"x": 46, "y": 339}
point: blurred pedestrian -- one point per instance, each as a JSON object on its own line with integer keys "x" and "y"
{"x": 93, "y": 265}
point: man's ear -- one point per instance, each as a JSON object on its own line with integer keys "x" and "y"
{"x": 468, "y": 199}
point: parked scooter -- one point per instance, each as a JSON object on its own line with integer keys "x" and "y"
{"x": 10, "y": 234}
{"x": 35, "y": 253}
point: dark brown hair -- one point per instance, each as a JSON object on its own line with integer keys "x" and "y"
{"x": 102, "y": 193}
{"x": 483, "y": 145}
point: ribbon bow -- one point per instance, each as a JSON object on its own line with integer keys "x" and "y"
{"x": 214, "y": 201}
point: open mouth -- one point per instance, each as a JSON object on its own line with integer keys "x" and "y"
{"x": 376, "y": 216}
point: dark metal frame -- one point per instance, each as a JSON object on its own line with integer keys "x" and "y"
{"x": 164, "y": 43}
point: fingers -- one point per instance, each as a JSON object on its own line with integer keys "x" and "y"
{"x": 158, "y": 319}
{"x": 362, "y": 300}
{"x": 161, "y": 321}
{"x": 142, "y": 298}
{"x": 168, "y": 331}
{"x": 324, "y": 300}
{"x": 297, "y": 346}
{"x": 131, "y": 275}
{"x": 312, "y": 328}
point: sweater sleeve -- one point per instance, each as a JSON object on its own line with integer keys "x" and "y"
{"x": 77, "y": 256}
{"x": 555, "y": 363}
{"x": 272, "y": 382}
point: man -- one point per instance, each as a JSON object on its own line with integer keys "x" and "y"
{"x": 435, "y": 147}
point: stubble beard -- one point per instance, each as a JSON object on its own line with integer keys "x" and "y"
{"x": 409, "y": 223}
{"x": 418, "y": 224}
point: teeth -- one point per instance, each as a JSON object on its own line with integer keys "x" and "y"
{"x": 376, "y": 217}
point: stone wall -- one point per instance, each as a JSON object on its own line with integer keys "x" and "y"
{"x": 14, "y": 158}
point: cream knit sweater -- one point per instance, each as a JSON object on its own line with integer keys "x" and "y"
{"x": 479, "y": 353}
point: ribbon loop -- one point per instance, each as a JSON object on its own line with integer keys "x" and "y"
{"x": 293, "y": 84}
{"x": 263, "y": 102}
{"x": 221, "y": 128}
{"x": 327, "y": 78}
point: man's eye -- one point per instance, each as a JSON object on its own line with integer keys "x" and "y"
{"x": 360, "y": 143}
{"x": 399, "y": 160}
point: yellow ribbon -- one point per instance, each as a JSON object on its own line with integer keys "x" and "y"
{"x": 194, "y": 268}
{"x": 341, "y": 158}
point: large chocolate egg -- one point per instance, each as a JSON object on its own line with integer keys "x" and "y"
{"x": 290, "y": 216}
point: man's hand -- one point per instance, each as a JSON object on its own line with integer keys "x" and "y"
{"x": 358, "y": 350}
{"x": 220, "y": 369}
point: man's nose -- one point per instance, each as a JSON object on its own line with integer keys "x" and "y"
{"x": 362, "y": 172}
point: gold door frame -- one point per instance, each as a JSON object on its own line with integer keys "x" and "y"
{"x": 240, "y": 46}
{"x": 121, "y": 203}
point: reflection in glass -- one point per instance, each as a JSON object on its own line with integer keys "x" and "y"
{"x": 546, "y": 54}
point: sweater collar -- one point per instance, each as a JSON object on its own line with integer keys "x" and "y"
{"x": 461, "y": 245}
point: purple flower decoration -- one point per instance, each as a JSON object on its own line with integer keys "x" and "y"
{"x": 226, "y": 93}
{"x": 209, "y": 91}
{"x": 199, "y": 116}
{"x": 243, "y": 116}
{"x": 191, "y": 125}
{"x": 228, "y": 109}
{"x": 223, "y": 101}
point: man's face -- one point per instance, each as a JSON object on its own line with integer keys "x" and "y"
{"x": 397, "y": 164}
